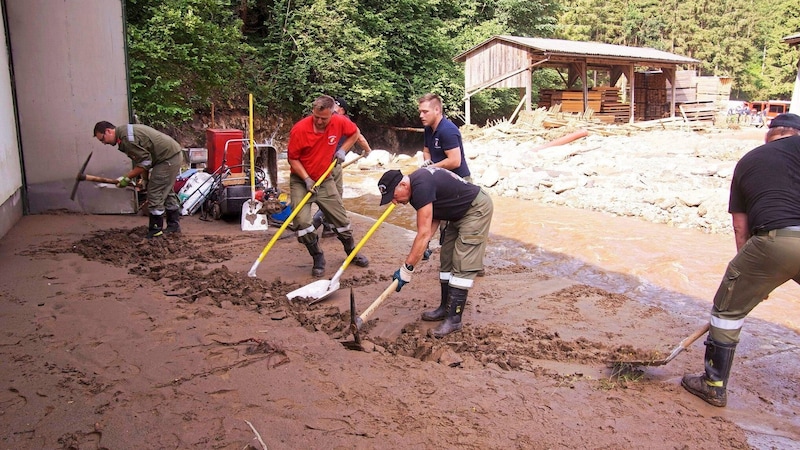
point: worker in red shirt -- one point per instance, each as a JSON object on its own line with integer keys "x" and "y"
{"x": 311, "y": 149}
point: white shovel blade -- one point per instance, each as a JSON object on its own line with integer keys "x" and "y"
{"x": 317, "y": 290}
{"x": 251, "y": 220}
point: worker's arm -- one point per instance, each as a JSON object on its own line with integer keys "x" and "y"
{"x": 350, "y": 141}
{"x": 424, "y": 232}
{"x": 452, "y": 160}
{"x": 425, "y": 229}
{"x": 362, "y": 142}
{"x": 741, "y": 231}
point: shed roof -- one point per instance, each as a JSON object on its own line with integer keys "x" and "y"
{"x": 561, "y": 47}
{"x": 792, "y": 39}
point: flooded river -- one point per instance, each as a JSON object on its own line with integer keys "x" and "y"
{"x": 678, "y": 269}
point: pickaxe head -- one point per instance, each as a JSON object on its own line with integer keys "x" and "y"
{"x": 80, "y": 177}
{"x": 355, "y": 324}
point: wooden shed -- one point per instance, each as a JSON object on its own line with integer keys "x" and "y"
{"x": 794, "y": 41}
{"x": 509, "y": 61}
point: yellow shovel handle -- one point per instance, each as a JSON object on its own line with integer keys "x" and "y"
{"x": 295, "y": 209}
{"x": 367, "y": 236}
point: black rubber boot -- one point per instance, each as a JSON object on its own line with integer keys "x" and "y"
{"x": 155, "y": 227}
{"x": 317, "y": 219}
{"x": 319, "y": 258}
{"x": 173, "y": 221}
{"x": 456, "y": 301}
{"x": 441, "y": 312}
{"x": 348, "y": 244}
{"x": 712, "y": 385}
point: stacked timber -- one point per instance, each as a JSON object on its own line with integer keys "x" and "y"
{"x": 650, "y": 97}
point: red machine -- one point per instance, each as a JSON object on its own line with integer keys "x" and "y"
{"x": 216, "y": 139}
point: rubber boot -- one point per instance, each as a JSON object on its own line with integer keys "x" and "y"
{"x": 317, "y": 219}
{"x": 318, "y": 268}
{"x": 712, "y": 385}
{"x": 440, "y": 312}
{"x": 359, "y": 260}
{"x": 173, "y": 221}
{"x": 456, "y": 301}
{"x": 155, "y": 227}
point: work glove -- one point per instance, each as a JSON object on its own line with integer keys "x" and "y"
{"x": 403, "y": 276}
{"x": 339, "y": 155}
{"x": 426, "y": 163}
{"x": 310, "y": 185}
{"x": 123, "y": 181}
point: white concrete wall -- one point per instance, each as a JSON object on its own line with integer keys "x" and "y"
{"x": 70, "y": 72}
{"x": 10, "y": 169}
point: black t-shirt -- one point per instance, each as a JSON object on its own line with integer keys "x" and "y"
{"x": 450, "y": 194}
{"x": 766, "y": 185}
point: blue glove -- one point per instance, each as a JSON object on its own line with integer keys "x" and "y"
{"x": 310, "y": 185}
{"x": 339, "y": 155}
{"x": 403, "y": 276}
{"x": 427, "y": 255}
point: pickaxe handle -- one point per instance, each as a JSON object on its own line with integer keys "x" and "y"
{"x": 368, "y": 312}
{"x": 84, "y": 177}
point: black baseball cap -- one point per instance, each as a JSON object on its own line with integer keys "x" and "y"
{"x": 387, "y": 183}
{"x": 341, "y": 102}
{"x": 787, "y": 120}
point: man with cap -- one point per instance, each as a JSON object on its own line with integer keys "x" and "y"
{"x": 438, "y": 194}
{"x": 310, "y": 151}
{"x": 765, "y": 207}
{"x": 339, "y": 107}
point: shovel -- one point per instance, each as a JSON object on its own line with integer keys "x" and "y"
{"x": 356, "y": 322}
{"x": 321, "y": 289}
{"x": 251, "y": 219}
{"x": 295, "y": 209}
{"x": 675, "y": 352}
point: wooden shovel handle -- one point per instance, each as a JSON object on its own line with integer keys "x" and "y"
{"x": 696, "y": 335}
{"x": 367, "y": 312}
{"x": 352, "y": 161}
{"x": 98, "y": 179}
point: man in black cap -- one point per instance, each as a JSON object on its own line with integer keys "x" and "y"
{"x": 438, "y": 194}
{"x": 765, "y": 206}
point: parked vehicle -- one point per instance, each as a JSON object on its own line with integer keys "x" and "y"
{"x": 770, "y": 108}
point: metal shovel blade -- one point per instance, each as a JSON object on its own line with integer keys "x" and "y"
{"x": 251, "y": 220}
{"x": 683, "y": 345}
{"x": 318, "y": 290}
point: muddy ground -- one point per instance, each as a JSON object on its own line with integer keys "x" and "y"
{"x": 112, "y": 341}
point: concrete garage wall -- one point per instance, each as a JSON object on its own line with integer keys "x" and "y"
{"x": 10, "y": 168}
{"x": 70, "y": 71}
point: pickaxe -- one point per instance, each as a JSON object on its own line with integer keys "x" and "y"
{"x": 83, "y": 177}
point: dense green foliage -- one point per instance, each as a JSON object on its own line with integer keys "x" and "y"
{"x": 186, "y": 55}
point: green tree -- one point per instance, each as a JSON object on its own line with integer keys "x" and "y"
{"x": 183, "y": 55}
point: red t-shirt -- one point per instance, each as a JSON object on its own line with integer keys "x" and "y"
{"x": 315, "y": 150}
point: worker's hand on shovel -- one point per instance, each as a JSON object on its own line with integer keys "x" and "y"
{"x": 340, "y": 156}
{"x": 123, "y": 182}
{"x": 403, "y": 276}
{"x": 311, "y": 185}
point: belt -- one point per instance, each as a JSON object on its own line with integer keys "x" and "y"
{"x": 792, "y": 231}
